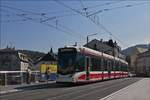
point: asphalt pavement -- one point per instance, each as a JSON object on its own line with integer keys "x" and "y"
{"x": 53, "y": 91}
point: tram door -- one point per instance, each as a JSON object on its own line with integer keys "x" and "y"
{"x": 87, "y": 68}
{"x": 109, "y": 69}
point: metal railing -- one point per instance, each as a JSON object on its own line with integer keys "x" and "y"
{"x": 11, "y": 77}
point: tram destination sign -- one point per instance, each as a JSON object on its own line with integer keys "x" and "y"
{"x": 67, "y": 50}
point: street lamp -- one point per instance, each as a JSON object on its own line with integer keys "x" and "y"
{"x": 89, "y": 36}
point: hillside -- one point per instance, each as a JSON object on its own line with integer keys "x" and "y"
{"x": 129, "y": 50}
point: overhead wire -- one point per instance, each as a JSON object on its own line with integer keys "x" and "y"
{"x": 81, "y": 13}
{"x": 105, "y": 4}
{"x": 34, "y": 13}
{"x": 56, "y": 17}
{"x": 16, "y": 20}
{"x": 99, "y": 24}
{"x": 83, "y": 8}
{"x": 48, "y": 18}
{"x": 47, "y": 24}
{"x": 30, "y": 12}
{"x": 82, "y": 5}
{"x": 119, "y": 7}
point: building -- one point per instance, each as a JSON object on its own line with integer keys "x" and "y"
{"x": 143, "y": 64}
{"x": 13, "y": 60}
{"x": 108, "y": 47}
{"x": 132, "y": 57}
{"x": 48, "y": 61}
{"x": 49, "y": 58}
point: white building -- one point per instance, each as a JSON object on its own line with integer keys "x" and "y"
{"x": 143, "y": 64}
{"x": 12, "y": 60}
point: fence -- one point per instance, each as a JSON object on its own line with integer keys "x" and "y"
{"x": 17, "y": 77}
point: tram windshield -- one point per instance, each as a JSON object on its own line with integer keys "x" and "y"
{"x": 66, "y": 61}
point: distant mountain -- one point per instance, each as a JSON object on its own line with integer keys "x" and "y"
{"x": 34, "y": 55}
{"x": 129, "y": 50}
{"x": 144, "y": 46}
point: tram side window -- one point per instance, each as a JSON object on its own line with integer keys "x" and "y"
{"x": 124, "y": 67}
{"x": 80, "y": 63}
{"x": 114, "y": 68}
{"x": 95, "y": 64}
{"x": 108, "y": 65}
{"x": 113, "y": 65}
{"x": 121, "y": 67}
{"x": 117, "y": 66}
{"x": 105, "y": 65}
{"x": 92, "y": 64}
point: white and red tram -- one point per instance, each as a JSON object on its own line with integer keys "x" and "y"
{"x": 81, "y": 64}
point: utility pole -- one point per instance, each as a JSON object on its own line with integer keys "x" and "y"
{"x": 0, "y": 31}
{"x": 88, "y": 60}
{"x": 87, "y": 40}
{"x": 0, "y": 38}
{"x": 0, "y": 26}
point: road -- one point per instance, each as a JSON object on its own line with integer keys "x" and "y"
{"x": 53, "y": 91}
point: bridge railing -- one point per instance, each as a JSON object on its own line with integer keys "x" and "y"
{"x": 17, "y": 77}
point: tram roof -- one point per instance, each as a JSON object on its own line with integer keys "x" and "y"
{"x": 96, "y": 53}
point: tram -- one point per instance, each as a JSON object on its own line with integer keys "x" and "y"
{"x": 82, "y": 65}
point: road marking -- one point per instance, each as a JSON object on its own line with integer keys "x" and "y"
{"x": 123, "y": 89}
{"x": 9, "y": 91}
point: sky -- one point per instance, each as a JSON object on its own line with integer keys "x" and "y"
{"x": 43, "y": 24}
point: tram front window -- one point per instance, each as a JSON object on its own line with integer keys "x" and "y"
{"x": 66, "y": 63}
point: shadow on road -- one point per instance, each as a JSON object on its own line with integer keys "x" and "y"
{"x": 51, "y": 86}
{"x": 54, "y": 85}
{"x": 47, "y": 85}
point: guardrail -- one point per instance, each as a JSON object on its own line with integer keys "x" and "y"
{"x": 11, "y": 76}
